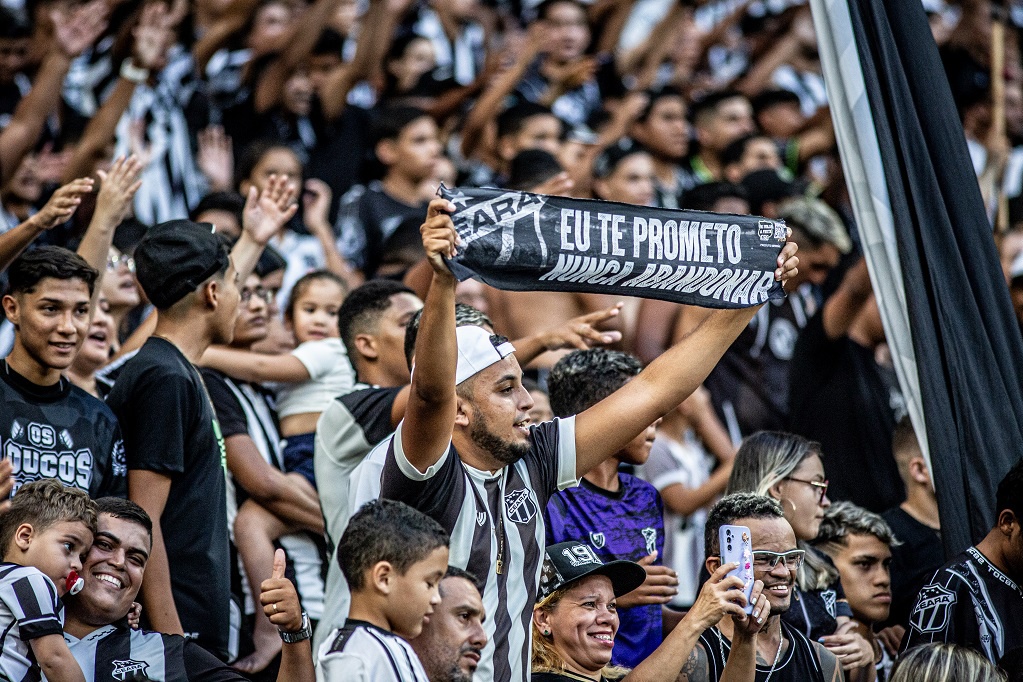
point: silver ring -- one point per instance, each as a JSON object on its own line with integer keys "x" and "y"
{"x": 275, "y": 607}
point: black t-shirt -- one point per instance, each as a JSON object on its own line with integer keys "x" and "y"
{"x": 368, "y": 217}
{"x": 750, "y": 385}
{"x": 800, "y": 661}
{"x": 971, "y": 603}
{"x": 170, "y": 428}
{"x": 913, "y": 562}
{"x": 60, "y": 432}
{"x": 841, "y": 398}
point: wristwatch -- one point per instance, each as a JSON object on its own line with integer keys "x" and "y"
{"x": 302, "y": 634}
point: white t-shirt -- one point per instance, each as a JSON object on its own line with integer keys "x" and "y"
{"x": 688, "y": 464}
{"x": 330, "y": 375}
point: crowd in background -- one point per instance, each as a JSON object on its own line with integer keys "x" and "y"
{"x": 288, "y": 152}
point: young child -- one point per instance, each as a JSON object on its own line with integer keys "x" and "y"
{"x": 617, "y": 514}
{"x": 44, "y": 535}
{"x": 311, "y": 375}
{"x": 393, "y": 558}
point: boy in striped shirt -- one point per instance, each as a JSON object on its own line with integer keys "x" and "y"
{"x": 393, "y": 558}
{"x": 44, "y": 535}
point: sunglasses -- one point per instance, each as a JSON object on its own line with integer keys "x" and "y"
{"x": 764, "y": 560}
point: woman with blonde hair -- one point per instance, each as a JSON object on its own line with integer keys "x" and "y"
{"x": 575, "y": 619}
{"x": 941, "y": 662}
{"x": 789, "y": 468}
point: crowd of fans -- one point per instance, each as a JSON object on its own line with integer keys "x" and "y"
{"x": 237, "y": 364}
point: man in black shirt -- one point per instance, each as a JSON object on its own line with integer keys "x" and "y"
{"x": 916, "y": 525}
{"x": 174, "y": 447}
{"x": 976, "y": 600}
{"x": 107, "y": 649}
{"x": 841, "y": 396}
{"x": 48, "y": 427}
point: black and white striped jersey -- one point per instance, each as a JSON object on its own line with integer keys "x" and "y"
{"x": 362, "y": 652}
{"x": 497, "y": 530}
{"x": 115, "y": 652}
{"x": 972, "y": 603}
{"x": 29, "y": 609}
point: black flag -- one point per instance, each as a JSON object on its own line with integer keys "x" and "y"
{"x": 930, "y": 251}
{"x": 529, "y": 242}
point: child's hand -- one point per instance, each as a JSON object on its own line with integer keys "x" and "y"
{"x": 134, "y": 615}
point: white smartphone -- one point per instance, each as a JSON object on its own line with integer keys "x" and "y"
{"x": 737, "y": 548}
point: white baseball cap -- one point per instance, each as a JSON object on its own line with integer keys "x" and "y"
{"x": 477, "y": 350}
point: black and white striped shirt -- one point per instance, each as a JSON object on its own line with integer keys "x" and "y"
{"x": 29, "y": 609}
{"x": 493, "y": 517}
{"x": 115, "y": 652}
{"x": 362, "y": 652}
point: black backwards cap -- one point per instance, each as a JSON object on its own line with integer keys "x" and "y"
{"x": 568, "y": 562}
{"x": 607, "y": 160}
{"x": 175, "y": 257}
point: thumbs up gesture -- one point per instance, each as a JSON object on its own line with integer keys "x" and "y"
{"x": 279, "y": 598}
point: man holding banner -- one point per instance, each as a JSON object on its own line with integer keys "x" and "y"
{"x": 464, "y": 453}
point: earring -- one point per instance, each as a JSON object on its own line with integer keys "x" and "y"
{"x": 546, "y": 633}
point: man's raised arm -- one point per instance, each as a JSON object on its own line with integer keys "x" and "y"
{"x": 609, "y": 425}
{"x": 431, "y": 409}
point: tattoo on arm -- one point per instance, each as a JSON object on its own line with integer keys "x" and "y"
{"x": 696, "y": 668}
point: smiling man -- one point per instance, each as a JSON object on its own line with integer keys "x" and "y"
{"x": 97, "y": 633}
{"x": 782, "y": 652}
{"x": 453, "y": 638}
{"x": 52, "y": 429}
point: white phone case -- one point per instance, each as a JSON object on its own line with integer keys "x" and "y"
{"x": 737, "y": 548}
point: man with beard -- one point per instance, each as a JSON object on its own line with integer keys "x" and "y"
{"x": 452, "y": 639}
{"x": 466, "y": 455}
{"x": 106, "y": 649}
{"x": 782, "y": 652}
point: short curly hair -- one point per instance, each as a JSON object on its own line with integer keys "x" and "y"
{"x": 583, "y": 378}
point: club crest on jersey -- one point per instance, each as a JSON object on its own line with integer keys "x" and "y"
{"x": 829, "y": 597}
{"x": 129, "y": 670}
{"x": 519, "y": 506}
{"x": 932, "y": 609}
{"x": 597, "y": 540}
{"x": 650, "y": 538}
{"x": 481, "y": 518}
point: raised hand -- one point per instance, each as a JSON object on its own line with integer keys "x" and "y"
{"x": 265, "y": 213}
{"x": 216, "y": 158}
{"x": 581, "y": 332}
{"x": 116, "y": 191}
{"x": 788, "y": 263}
{"x": 720, "y": 596}
{"x": 754, "y": 622}
{"x": 62, "y": 205}
{"x": 76, "y": 29}
{"x": 316, "y": 206}
{"x": 279, "y": 599}
{"x": 660, "y": 586}
{"x": 440, "y": 239}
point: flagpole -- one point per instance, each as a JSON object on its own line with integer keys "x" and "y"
{"x": 998, "y": 109}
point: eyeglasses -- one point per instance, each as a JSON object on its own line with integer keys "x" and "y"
{"x": 822, "y": 486}
{"x": 265, "y": 295}
{"x": 114, "y": 261}
{"x": 763, "y": 560}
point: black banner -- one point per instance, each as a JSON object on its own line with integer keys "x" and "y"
{"x": 530, "y": 242}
